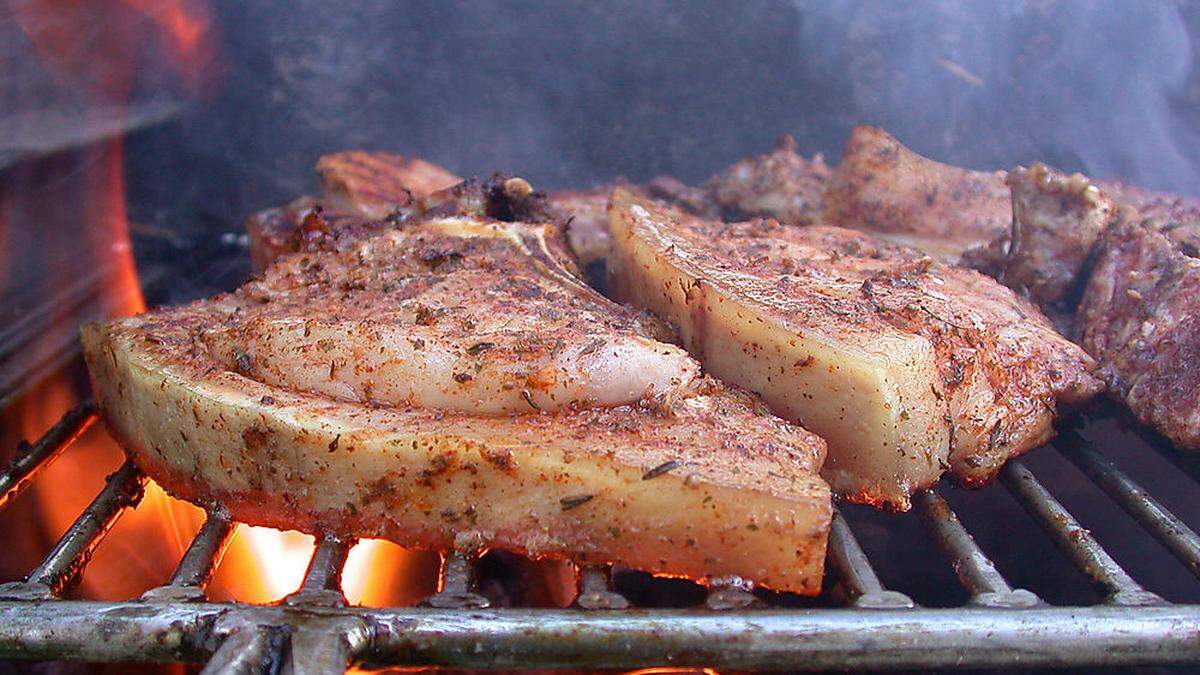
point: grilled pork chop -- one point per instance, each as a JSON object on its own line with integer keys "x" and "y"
{"x": 1139, "y": 318}
{"x": 1138, "y": 276}
{"x": 1056, "y": 220}
{"x": 450, "y": 383}
{"x": 781, "y": 185}
{"x": 356, "y": 188}
{"x": 585, "y": 215}
{"x": 908, "y": 367}
{"x": 884, "y": 188}
{"x": 364, "y": 187}
{"x": 373, "y": 184}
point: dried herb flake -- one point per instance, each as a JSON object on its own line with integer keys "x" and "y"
{"x": 569, "y": 503}
{"x": 529, "y": 399}
{"x": 660, "y": 469}
{"x": 479, "y": 348}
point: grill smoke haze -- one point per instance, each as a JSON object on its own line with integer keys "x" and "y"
{"x": 1101, "y": 87}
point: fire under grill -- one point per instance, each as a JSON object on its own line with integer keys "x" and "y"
{"x": 859, "y": 623}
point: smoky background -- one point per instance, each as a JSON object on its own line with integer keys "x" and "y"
{"x": 575, "y": 93}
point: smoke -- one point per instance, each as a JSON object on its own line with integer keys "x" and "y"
{"x": 572, "y": 94}
{"x": 1101, "y": 87}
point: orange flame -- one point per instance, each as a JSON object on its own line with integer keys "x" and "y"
{"x": 94, "y": 45}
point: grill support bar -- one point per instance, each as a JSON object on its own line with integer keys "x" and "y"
{"x": 815, "y": 639}
{"x": 199, "y": 561}
{"x": 1113, "y": 582}
{"x": 322, "y": 583}
{"x": 456, "y": 584}
{"x": 858, "y": 579}
{"x": 1169, "y": 530}
{"x": 31, "y": 459}
{"x": 247, "y": 651}
{"x": 596, "y": 589}
{"x": 66, "y": 560}
{"x": 975, "y": 570}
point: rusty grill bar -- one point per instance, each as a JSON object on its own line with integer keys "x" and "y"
{"x": 315, "y": 631}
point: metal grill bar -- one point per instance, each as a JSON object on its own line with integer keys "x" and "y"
{"x": 456, "y": 584}
{"x": 198, "y": 562}
{"x": 65, "y": 562}
{"x": 859, "y": 581}
{"x": 250, "y": 650}
{"x": 596, "y": 589}
{"x": 1180, "y": 539}
{"x": 31, "y": 459}
{"x": 1113, "y": 582}
{"x": 975, "y": 570}
{"x": 203, "y": 556}
{"x": 843, "y": 639}
{"x": 327, "y": 646}
{"x": 322, "y": 583}
{"x": 724, "y": 596}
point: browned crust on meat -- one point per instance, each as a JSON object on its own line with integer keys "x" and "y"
{"x": 1138, "y": 317}
{"x": 1002, "y": 370}
{"x": 374, "y": 184}
{"x": 1056, "y": 221}
{"x": 781, "y": 185}
{"x": 884, "y": 188}
{"x": 743, "y": 497}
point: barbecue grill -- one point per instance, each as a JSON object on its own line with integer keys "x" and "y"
{"x": 663, "y": 89}
{"x": 865, "y": 625}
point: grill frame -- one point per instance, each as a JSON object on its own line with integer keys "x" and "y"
{"x": 314, "y": 631}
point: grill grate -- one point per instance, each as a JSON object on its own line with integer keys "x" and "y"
{"x": 314, "y": 631}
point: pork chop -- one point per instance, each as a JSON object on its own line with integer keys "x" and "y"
{"x": 448, "y": 383}
{"x": 883, "y": 188}
{"x": 356, "y": 187}
{"x": 781, "y": 185}
{"x": 908, "y": 367}
{"x": 373, "y": 184}
{"x": 1139, "y": 317}
{"x": 1056, "y": 220}
{"x": 585, "y": 215}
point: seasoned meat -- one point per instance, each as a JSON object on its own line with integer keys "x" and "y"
{"x": 278, "y": 231}
{"x": 1138, "y": 272}
{"x": 431, "y": 321}
{"x": 781, "y": 185}
{"x": 585, "y": 213}
{"x": 908, "y": 367}
{"x": 356, "y": 202}
{"x": 374, "y": 184}
{"x": 1056, "y": 221}
{"x": 1139, "y": 317}
{"x": 1161, "y": 207}
{"x": 884, "y": 188}
{"x": 586, "y": 217}
{"x": 695, "y": 200}
{"x": 451, "y": 383}
{"x": 357, "y": 188}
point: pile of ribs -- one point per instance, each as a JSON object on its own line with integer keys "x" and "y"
{"x": 673, "y": 378}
